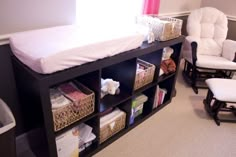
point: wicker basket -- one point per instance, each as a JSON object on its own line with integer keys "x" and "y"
{"x": 70, "y": 113}
{"x": 164, "y": 28}
{"x": 112, "y": 128}
{"x": 145, "y": 77}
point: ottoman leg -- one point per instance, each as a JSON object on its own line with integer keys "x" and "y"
{"x": 207, "y": 102}
{"x": 215, "y": 110}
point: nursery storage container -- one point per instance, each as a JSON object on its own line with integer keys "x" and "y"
{"x": 164, "y": 28}
{"x": 75, "y": 110}
{"x": 114, "y": 125}
{"x": 145, "y": 76}
{"x": 7, "y": 131}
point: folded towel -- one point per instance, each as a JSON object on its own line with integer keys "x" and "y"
{"x": 71, "y": 91}
{"x": 57, "y": 99}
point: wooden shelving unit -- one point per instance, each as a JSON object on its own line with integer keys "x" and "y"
{"x": 34, "y": 90}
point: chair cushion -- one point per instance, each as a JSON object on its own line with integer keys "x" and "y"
{"x": 229, "y": 49}
{"x": 215, "y": 62}
{"x": 223, "y": 89}
{"x": 210, "y": 26}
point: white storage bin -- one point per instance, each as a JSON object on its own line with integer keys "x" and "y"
{"x": 7, "y": 131}
{"x": 164, "y": 28}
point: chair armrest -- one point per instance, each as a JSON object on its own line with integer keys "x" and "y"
{"x": 234, "y": 58}
{"x": 229, "y": 50}
{"x": 190, "y": 49}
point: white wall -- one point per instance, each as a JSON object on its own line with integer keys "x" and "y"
{"x": 177, "y": 6}
{"x": 227, "y": 6}
{"x": 20, "y": 15}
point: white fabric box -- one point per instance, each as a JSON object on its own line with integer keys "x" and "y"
{"x": 164, "y": 28}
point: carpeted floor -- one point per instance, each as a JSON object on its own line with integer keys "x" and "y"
{"x": 181, "y": 129}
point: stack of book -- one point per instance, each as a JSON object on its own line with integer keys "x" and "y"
{"x": 159, "y": 97}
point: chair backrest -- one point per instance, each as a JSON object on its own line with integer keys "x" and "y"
{"x": 210, "y": 27}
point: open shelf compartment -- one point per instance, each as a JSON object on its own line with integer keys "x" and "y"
{"x": 155, "y": 59}
{"x": 116, "y": 121}
{"x": 77, "y": 109}
{"x": 146, "y": 108}
{"x": 168, "y": 85}
{"x": 94, "y": 123}
{"x": 73, "y": 139}
{"x": 124, "y": 73}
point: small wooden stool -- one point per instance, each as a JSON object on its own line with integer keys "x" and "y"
{"x": 221, "y": 92}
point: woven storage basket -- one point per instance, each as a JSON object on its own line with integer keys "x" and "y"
{"x": 164, "y": 28}
{"x": 69, "y": 114}
{"x": 145, "y": 77}
{"x": 117, "y": 125}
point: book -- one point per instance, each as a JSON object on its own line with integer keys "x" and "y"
{"x": 156, "y": 98}
{"x": 159, "y": 97}
{"x": 162, "y": 93}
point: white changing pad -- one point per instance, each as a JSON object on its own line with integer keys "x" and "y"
{"x": 54, "y": 49}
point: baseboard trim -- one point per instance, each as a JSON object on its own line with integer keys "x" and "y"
{"x": 231, "y": 17}
{"x": 186, "y": 13}
{"x": 176, "y": 14}
{"x": 4, "y": 39}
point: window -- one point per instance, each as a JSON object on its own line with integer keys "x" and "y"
{"x": 100, "y": 13}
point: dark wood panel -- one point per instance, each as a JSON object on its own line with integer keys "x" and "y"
{"x": 121, "y": 68}
{"x": 8, "y": 87}
{"x": 64, "y": 75}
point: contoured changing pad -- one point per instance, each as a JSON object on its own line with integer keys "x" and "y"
{"x": 54, "y": 49}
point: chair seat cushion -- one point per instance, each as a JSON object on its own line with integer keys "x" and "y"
{"x": 223, "y": 89}
{"x": 215, "y": 62}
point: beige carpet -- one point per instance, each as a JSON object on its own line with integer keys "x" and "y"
{"x": 181, "y": 129}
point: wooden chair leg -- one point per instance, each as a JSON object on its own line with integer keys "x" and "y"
{"x": 215, "y": 110}
{"x": 194, "y": 76}
{"x": 207, "y": 102}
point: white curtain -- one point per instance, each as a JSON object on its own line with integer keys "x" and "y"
{"x": 107, "y": 13}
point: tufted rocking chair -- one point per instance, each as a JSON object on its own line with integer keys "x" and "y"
{"x": 206, "y": 51}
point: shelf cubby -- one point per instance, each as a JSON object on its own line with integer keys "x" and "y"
{"x": 155, "y": 59}
{"x": 123, "y": 72}
{"x": 109, "y": 101}
{"x": 92, "y": 81}
{"x": 94, "y": 123}
{"x": 115, "y": 124}
{"x": 165, "y": 77}
{"x": 148, "y": 105}
{"x": 167, "y": 84}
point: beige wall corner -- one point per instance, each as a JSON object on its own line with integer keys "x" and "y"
{"x": 228, "y": 6}
{"x": 24, "y": 15}
{"x": 176, "y": 6}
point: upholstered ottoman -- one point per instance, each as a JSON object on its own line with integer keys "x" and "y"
{"x": 221, "y": 94}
